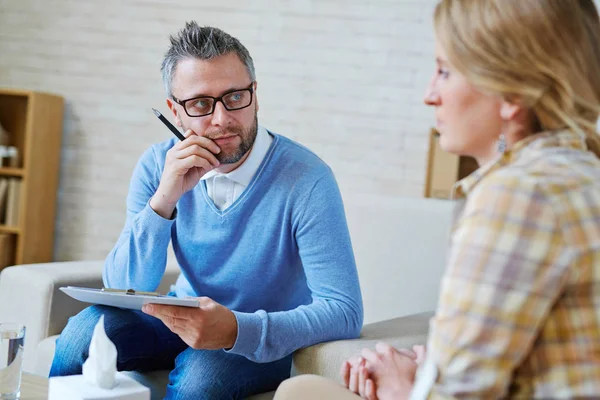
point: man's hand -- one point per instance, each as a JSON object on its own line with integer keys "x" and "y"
{"x": 185, "y": 164}
{"x": 211, "y": 326}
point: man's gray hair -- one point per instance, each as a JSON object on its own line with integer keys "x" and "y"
{"x": 203, "y": 43}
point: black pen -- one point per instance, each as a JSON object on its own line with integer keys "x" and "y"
{"x": 169, "y": 125}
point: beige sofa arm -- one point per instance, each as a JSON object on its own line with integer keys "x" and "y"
{"x": 326, "y": 359}
{"x": 29, "y": 295}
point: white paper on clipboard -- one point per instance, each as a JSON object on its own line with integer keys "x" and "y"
{"x": 123, "y": 300}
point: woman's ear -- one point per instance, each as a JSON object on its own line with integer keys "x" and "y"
{"x": 517, "y": 118}
{"x": 509, "y": 110}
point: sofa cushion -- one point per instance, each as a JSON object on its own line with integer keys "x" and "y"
{"x": 326, "y": 359}
{"x": 44, "y": 355}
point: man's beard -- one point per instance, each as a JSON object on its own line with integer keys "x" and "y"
{"x": 248, "y": 136}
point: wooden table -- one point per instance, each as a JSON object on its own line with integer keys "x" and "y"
{"x": 34, "y": 387}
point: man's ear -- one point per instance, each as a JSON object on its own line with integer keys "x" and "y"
{"x": 171, "y": 106}
{"x": 255, "y": 95}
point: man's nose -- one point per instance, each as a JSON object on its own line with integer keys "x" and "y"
{"x": 220, "y": 115}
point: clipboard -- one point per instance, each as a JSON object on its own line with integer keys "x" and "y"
{"x": 125, "y": 298}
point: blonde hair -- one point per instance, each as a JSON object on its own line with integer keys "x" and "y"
{"x": 543, "y": 53}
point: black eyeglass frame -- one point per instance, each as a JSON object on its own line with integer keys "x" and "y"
{"x": 216, "y": 100}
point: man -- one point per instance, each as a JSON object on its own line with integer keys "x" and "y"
{"x": 258, "y": 228}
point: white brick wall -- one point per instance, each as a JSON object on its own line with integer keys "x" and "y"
{"x": 352, "y": 73}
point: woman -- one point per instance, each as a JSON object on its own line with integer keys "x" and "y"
{"x": 518, "y": 88}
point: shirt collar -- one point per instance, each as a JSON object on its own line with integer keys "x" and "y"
{"x": 244, "y": 173}
{"x": 564, "y": 138}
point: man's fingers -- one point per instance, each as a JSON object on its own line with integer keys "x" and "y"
{"x": 183, "y": 166}
{"x": 157, "y": 310}
{"x": 197, "y": 150}
{"x": 182, "y": 144}
{"x": 202, "y": 142}
{"x": 175, "y": 325}
{"x": 207, "y": 302}
{"x": 161, "y": 310}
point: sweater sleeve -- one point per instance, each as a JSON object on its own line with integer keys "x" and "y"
{"x": 139, "y": 258}
{"x": 336, "y": 311}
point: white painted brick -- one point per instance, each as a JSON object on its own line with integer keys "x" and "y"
{"x": 353, "y": 74}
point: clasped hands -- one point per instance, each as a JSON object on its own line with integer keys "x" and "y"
{"x": 386, "y": 373}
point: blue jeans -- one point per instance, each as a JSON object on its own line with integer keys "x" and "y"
{"x": 144, "y": 344}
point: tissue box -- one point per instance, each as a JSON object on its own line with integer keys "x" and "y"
{"x": 75, "y": 388}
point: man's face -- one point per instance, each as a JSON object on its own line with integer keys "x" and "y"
{"x": 233, "y": 131}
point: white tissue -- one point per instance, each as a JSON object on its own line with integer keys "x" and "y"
{"x": 101, "y": 366}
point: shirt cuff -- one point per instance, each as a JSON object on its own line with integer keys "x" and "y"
{"x": 425, "y": 380}
{"x": 249, "y": 332}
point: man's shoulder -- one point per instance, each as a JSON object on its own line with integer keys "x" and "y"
{"x": 156, "y": 152}
{"x": 296, "y": 155}
{"x": 161, "y": 148}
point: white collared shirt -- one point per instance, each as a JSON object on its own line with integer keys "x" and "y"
{"x": 224, "y": 189}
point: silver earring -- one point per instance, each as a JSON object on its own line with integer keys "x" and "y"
{"x": 501, "y": 143}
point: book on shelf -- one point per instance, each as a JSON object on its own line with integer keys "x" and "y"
{"x": 7, "y": 250}
{"x": 3, "y": 197}
{"x": 4, "y": 136}
{"x": 11, "y": 217}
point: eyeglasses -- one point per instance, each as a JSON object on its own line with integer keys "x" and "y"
{"x": 205, "y": 105}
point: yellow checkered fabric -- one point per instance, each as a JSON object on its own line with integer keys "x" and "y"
{"x": 519, "y": 309}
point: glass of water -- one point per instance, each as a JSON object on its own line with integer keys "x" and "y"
{"x": 12, "y": 340}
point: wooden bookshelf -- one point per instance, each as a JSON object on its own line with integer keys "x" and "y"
{"x": 10, "y": 230}
{"x": 33, "y": 121}
{"x": 12, "y": 172}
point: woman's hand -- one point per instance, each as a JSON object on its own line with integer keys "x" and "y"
{"x": 356, "y": 378}
{"x": 360, "y": 376}
{"x": 417, "y": 353}
{"x": 392, "y": 371}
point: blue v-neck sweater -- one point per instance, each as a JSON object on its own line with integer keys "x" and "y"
{"x": 279, "y": 257}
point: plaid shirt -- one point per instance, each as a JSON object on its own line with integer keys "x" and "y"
{"x": 519, "y": 309}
